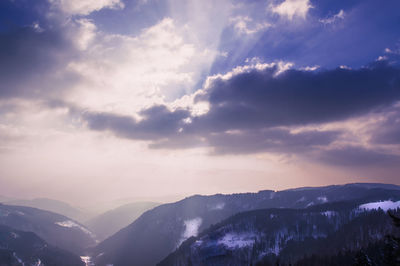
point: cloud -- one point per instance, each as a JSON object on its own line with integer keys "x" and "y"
{"x": 171, "y": 130}
{"x": 126, "y": 73}
{"x": 85, "y": 7}
{"x": 387, "y": 130}
{"x": 329, "y": 20}
{"x": 358, "y": 156}
{"x": 292, "y": 8}
{"x": 254, "y": 110}
{"x": 157, "y": 123}
{"x": 246, "y": 25}
{"x": 259, "y": 98}
{"x": 29, "y": 58}
{"x": 275, "y": 140}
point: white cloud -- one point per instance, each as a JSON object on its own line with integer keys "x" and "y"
{"x": 395, "y": 51}
{"x": 381, "y": 58}
{"x": 86, "y": 32}
{"x": 345, "y": 67}
{"x": 36, "y": 27}
{"x": 252, "y": 64}
{"x": 124, "y": 74}
{"x": 292, "y": 8}
{"x": 246, "y": 25}
{"x": 85, "y": 7}
{"x": 310, "y": 68}
{"x": 339, "y": 16}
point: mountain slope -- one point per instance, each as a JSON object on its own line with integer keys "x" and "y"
{"x": 284, "y": 235}
{"x": 57, "y": 230}
{"x": 110, "y": 222}
{"x": 161, "y": 230}
{"x": 53, "y": 206}
{"x": 25, "y": 248}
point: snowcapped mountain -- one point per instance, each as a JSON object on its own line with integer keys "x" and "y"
{"x": 160, "y": 231}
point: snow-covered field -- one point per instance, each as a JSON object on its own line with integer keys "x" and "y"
{"x": 383, "y": 205}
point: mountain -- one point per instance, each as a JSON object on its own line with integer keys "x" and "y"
{"x": 53, "y": 206}
{"x": 18, "y": 248}
{"x": 266, "y": 237}
{"x": 110, "y": 222}
{"x": 56, "y": 229}
{"x": 158, "y": 232}
{"x": 4, "y": 199}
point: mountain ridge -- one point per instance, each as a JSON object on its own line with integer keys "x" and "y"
{"x": 163, "y": 228}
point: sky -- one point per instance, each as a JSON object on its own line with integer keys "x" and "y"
{"x": 108, "y": 99}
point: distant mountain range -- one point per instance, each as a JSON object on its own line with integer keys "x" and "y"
{"x": 332, "y": 225}
{"x": 110, "y": 222}
{"x": 160, "y": 231}
{"x": 53, "y": 206}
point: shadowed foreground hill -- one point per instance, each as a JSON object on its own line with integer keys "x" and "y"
{"x": 18, "y": 248}
{"x": 266, "y": 237}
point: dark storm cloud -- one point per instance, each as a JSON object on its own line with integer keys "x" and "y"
{"x": 271, "y": 140}
{"x": 254, "y": 112}
{"x": 169, "y": 130}
{"x": 276, "y": 140}
{"x": 158, "y": 122}
{"x": 358, "y": 156}
{"x": 260, "y": 99}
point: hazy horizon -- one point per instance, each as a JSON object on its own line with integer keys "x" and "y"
{"x": 117, "y": 99}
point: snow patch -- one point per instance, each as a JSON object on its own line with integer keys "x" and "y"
{"x": 279, "y": 240}
{"x": 18, "y": 259}
{"x": 232, "y": 241}
{"x": 384, "y": 205}
{"x": 218, "y": 206}
{"x": 323, "y": 199}
{"x": 14, "y": 235}
{"x": 69, "y": 224}
{"x": 329, "y": 214}
{"x": 72, "y": 224}
{"x": 191, "y": 228}
{"x": 87, "y": 260}
{"x": 301, "y": 199}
